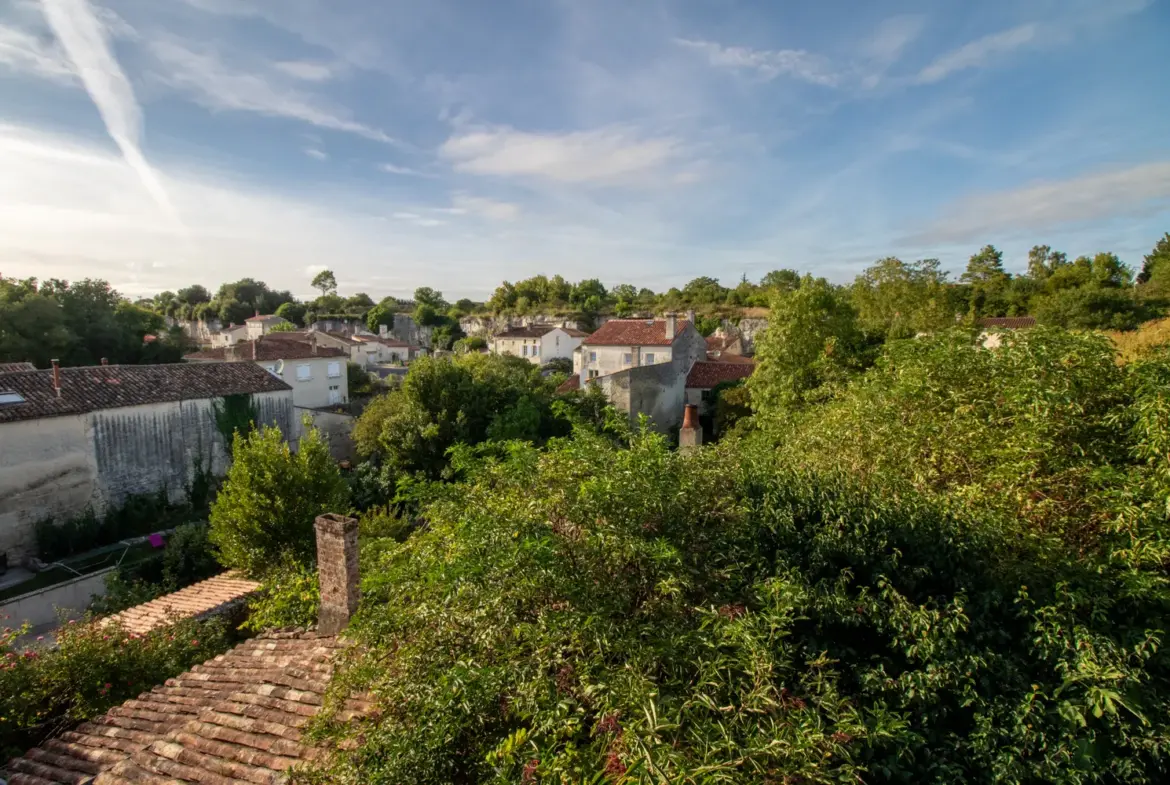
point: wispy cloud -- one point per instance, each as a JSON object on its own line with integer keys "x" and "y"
{"x": 24, "y": 52}
{"x": 1089, "y": 197}
{"x": 402, "y": 170}
{"x": 488, "y": 208}
{"x": 978, "y": 53}
{"x": 313, "y": 152}
{"x": 767, "y": 63}
{"x": 306, "y": 70}
{"x": 84, "y": 40}
{"x": 213, "y": 84}
{"x": 611, "y": 155}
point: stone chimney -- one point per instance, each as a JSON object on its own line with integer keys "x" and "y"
{"x": 105, "y": 361}
{"x": 671, "y": 324}
{"x": 337, "y": 571}
{"x": 690, "y": 436}
{"x": 57, "y": 377}
{"x": 691, "y": 316}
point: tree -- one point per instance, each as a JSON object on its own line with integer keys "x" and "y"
{"x": 895, "y": 299}
{"x": 294, "y": 312}
{"x": 812, "y": 346}
{"x": 624, "y": 291}
{"x": 326, "y": 281}
{"x": 425, "y": 295}
{"x": 263, "y": 516}
{"x": 1156, "y": 262}
{"x": 283, "y": 327}
{"x": 380, "y": 315}
{"x": 359, "y": 380}
{"x": 703, "y": 291}
{"x": 782, "y": 280}
{"x": 359, "y": 304}
{"x": 988, "y": 281}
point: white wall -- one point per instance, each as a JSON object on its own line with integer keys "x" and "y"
{"x": 528, "y": 348}
{"x": 611, "y": 359}
{"x": 56, "y": 466}
{"x": 314, "y": 392}
{"x": 558, "y": 344}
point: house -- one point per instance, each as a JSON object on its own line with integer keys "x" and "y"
{"x": 641, "y": 365}
{"x": 262, "y": 325}
{"x": 991, "y": 327}
{"x": 89, "y": 437}
{"x": 539, "y": 343}
{"x": 706, "y": 376}
{"x": 388, "y": 350}
{"x": 316, "y": 373}
{"x": 724, "y": 343}
{"x": 228, "y": 336}
{"x": 237, "y": 718}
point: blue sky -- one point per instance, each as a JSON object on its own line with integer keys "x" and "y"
{"x": 457, "y": 143}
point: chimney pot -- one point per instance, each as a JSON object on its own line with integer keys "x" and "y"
{"x": 337, "y": 571}
{"x": 57, "y": 377}
{"x": 105, "y": 361}
{"x": 690, "y": 436}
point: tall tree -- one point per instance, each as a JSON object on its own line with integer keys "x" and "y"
{"x": 326, "y": 281}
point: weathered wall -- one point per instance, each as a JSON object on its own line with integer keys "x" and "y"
{"x": 659, "y": 390}
{"x": 750, "y": 329}
{"x": 56, "y": 466}
{"x": 406, "y": 329}
{"x": 337, "y": 429}
{"x": 487, "y": 326}
{"x": 40, "y": 608}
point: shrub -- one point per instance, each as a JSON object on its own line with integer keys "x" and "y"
{"x": 186, "y": 559}
{"x": 263, "y": 516}
{"x": 91, "y": 669}
{"x": 289, "y": 597}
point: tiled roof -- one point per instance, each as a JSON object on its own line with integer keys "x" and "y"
{"x": 16, "y": 367}
{"x": 531, "y": 331}
{"x": 236, "y": 718}
{"x": 575, "y": 333}
{"x": 634, "y": 332}
{"x": 97, "y": 387}
{"x": 271, "y": 317}
{"x": 719, "y": 343}
{"x": 200, "y": 599}
{"x": 268, "y": 348}
{"x": 731, "y": 359}
{"x": 393, "y": 343}
{"x": 570, "y": 384}
{"x": 1007, "y": 322}
{"x": 705, "y": 375}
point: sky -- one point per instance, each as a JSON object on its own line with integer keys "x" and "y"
{"x": 459, "y": 143}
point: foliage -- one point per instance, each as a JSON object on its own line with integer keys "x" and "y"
{"x": 895, "y": 299}
{"x": 591, "y": 614}
{"x": 138, "y": 514}
{"x": 288, "y": 597}
{"x": 234, "y": 414}
{"x": 733, "y": 403}
{"x": 294, "y": 313}
{"x": 263, "y": 516}
{"x": 186, "y": 558}
{"x": 707, "y": 325}
{"x": 326, "y": 281}
{"x": 359, "y": 381}
{"x": 813, "y": 345}
{"x": 1146, "y": 339}
{"x": 381, "y": 315}
{"x": 283, "y": 327}
{"x": 472, "y": 343}
{"x": 91, "y": 669}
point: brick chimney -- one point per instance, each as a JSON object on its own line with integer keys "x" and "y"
{"x": 671, "y": 323}
{"x": 337, "y": 571}
{"x": 105, "y": 361}
{"x": 57, "y": 377}
{"x": 690, "y": 436}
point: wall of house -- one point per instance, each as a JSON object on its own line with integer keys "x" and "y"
{"x": 337, "y": 429}
{"x": 487, "y": 326}
{"x": 528, "y": 348}
{"x": 611, "y": 359}
{"x": 408, "y": 330}
{"x": 558, "y": 344}
{"x": 56, "y": 466}
{"x": 658, "y": 390}
{"x": 312, "y": 393}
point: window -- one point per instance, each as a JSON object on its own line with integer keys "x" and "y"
{"x": 558, "y": 340}
{"x": 592, "y": 373}
{"x": 304, "y": 372}
{"x": 524, "y": 350}
{"x": 592, "y": 357}
{"x": 650, "y": 358}
{"x": 628, "y": 359}
{"x": 11, "y": 397}
{"x": 334, "y": 370}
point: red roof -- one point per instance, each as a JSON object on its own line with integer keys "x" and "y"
{"x": 267, "y": 348}
{"x": 704, "y": 376}
{"x": 570, "y": 384}
{"x": 269, "y": 317}
{"x": 1007, "y": 322}
{"x": 634, "y": 332}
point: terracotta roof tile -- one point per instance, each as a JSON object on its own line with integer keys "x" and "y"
{"x": 97, "y": 387}
{"x": 1007, "y": 322}
{"x": 235, "y": 718}
{"x": 16, "y": 367}
{"x": 705, "y": 375}
{"x": 267, "y": 348}
{"x": 529, "y": 331}
{"x": 570, "y": 384}
{"x": 270, "y": 317}
{"x": 200, "y": 599}
{"x": 634, "y": 332}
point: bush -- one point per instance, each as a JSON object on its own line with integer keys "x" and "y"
{"x": 289, "y": 597}
{"x": 186, "y": 559}
{"x": 264, "y": 515}
{"x": 139, "y": 514}
{"x": 91, "y": 669}
{"x": 591, "y": 614}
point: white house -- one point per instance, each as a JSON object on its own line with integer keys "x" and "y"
{"x": 78, "y": 437}
{"x": 262, "y": 325}
{"x": 228, "y": 336}
{"x": 539, "y": 343}
{"x": 316, "y": 373}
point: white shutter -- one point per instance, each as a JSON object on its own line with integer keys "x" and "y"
{"x": 304, "y": 372}
{"x": 334, "y": 370}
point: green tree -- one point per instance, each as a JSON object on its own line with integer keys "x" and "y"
{"x": 813, "y": 345}
{"x": 1156, "y": 264}
{"x": 425, "y": 295}
{"x": 381, "y": 314}
{"x": 782, "y": 280}
{"x": 326, "y": 281}
{"x": 263, "y": 516}
{"x": 294, "y": 312}
{"x": 988, "y": 281}
{"x": 895, "y": 299}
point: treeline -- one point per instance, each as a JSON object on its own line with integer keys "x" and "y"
{"x": 80, "y": 324}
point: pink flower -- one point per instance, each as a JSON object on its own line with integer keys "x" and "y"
{"x": 195, "y": 642}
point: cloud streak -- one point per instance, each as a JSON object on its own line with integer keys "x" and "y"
{"x": 978, "y": 53}
{"x": 766, "y": 63}
{"x": 84, "y": 41}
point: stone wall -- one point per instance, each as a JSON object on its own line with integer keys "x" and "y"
{"x": 750, "y": 329}
{"x": 658, "y": 391}
{"x": 56, "y": 466}
{"x": 488, "y": 326}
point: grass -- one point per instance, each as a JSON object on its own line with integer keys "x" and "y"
{"x": 85, "y": 564}
{"x": 1134, "y": 344}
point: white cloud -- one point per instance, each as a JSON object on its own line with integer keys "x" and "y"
{"x": 313, "y": 152}
{"x": 306, "y": 70}
{"x": 892, "y": 37}
{"x": 24, "y": 52}
{"x": 1090, "y": 197}
{"x": 488, "y": 208}
{"x": 978, "y": 53}
{"x": 402, "y": 170}
{"x": 768, "y": 64}
{"x": 211, "y": 83}
{"x": 604, "y": 156}
{"x": 85, "y": 41}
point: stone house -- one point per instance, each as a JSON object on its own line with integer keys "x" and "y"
{"x": 316, "y": 373}
{"x": 79, "y": 437}
{"x": 539, "y": 343}
{"x": 724, "y": 343}
{"x": 228, "y": 336}
{"x": 705, "y": 376}
{"x": 262, "y": 325}
{"x": 237, "y": 718}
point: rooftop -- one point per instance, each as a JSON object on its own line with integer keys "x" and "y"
{"x": 530, "y": 331}
{"x": 271, "y": 317}
{"x": 236, "y": 718}
{"x": 97, "y": 387}
{"x": 16, "y": 367}
{"x": 1007, "y": 322}
{"x": 200, "y": 599}
{"x": 634, "y": 332}
{"x": 705, "y": 375}
{"x": 719, "y": 343}
{"x": 269, "y": 347}
{"x": 570, "y": 384}
{"x": 393, "y": 343}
